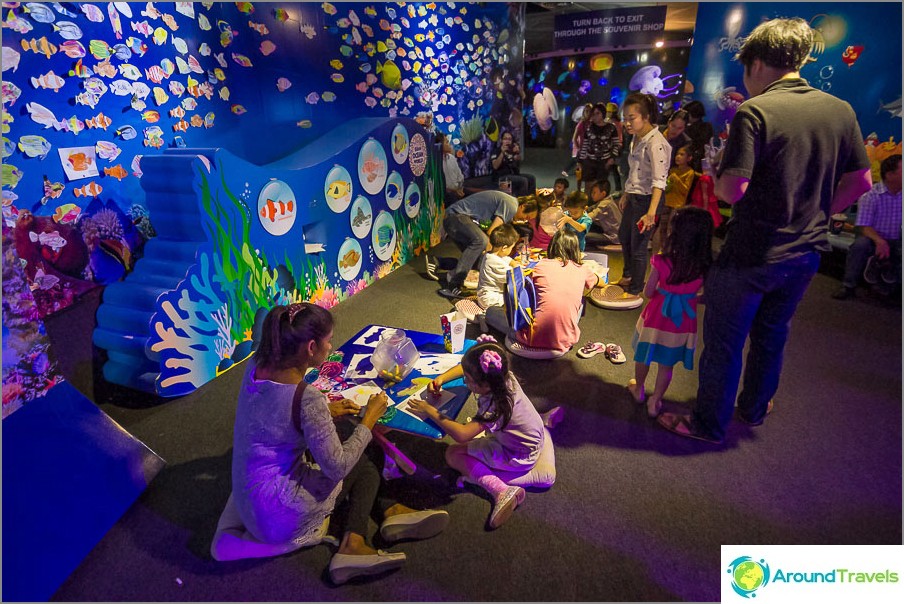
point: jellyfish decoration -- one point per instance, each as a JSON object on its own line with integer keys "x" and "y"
{"x": 578, "y": 114}
{"x": 546, "y": 109}
{"x": 647, "y": 81}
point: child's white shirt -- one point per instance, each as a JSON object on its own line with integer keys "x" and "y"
{"x": 492, "y": 279}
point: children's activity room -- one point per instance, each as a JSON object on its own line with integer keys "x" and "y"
{"x": 447, "y": 301}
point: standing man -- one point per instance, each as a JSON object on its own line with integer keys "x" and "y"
{"x": 462, "y": 222}
{"x": 785, "y": 169}
{"x": 878, "y": 231}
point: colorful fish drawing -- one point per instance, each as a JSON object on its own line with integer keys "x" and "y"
{"x": 42, "y": 47}
{"x": 208, "y": 119}
{"x": 79, "y": 161}
{"x": 150, "y": 12}
{"x": 155, "y": 74}
{"x": 17, "y": 24}
{"x": 384, "y": 235}
{"x": 73, "y": 125}
{"x": 122, "y": 52}
{"x": 121, "y": 87}
{"x": 189, "y": 104}
{"x": 312, "y": 99}
{"x": 34, "y": 146}
{"x": 176, "y": 88}
{"x": 80, "y": 70}
{"x": 117, "y": 172}
{"x": 242, "y": 60}
{"x": 851, "y": 54}
{"x": 106, "y": 69}
{"x": 281, "y": 15}
{"x": 203, "y": 22}
{"x": 153, "y": 137}
{"x": 124, "y": 8}
{"x": 129, "y": 71}
{"x": 150, "y": 116}
{"x": 283, "y": 84}
{"x": 68, "y": 30}
{"x": 141, "y": 90}
{"x": 92, "y": 12}
{"x": 180, "y": 126}
{"x": 197, "y": 121}
{"x": 160, "y": 96}
{"x": 136, "y": 166}
{"x": 392, "y": 190}
{"x": 92, "y": 189}
{"x": 136, "y": 46}
{"x": 40, "y": 12}
{"x": 49, "y": 80}
{"x": 160, "y": 36}
{"x": 107, "y": 150}
{"x": 194, "y": 66}
{"x": 180, "y": 44}
{"x": 245, "y": 8}
{"x": 115, "y": 23}
{"x": 67, "y": 213}
{"x": 304, "y": 123}
{"x": 142, "y": 27}
{"x": 350, "y": 258}
{"x": 100, "y": 50}
{"x": 238, "y": 109}
{"x": 11, "y": 92}
{"x": 41, "y": 115}
{"x": 328, "y": 97}
{"x": 126, "y": 133}
{"x": 259, "y": 28}
{"x": 339, "y": 189}
{"x": 98, "y": 121}
{"x": 170, "y": 22}
{"x": 224, "y": 93}
{"x": 337, "y": 77}
{"x": 73, "y": 49}
{"x": 277, "y": 210}
{"x": 267, "y": 47}
{"x": 11, "y": 176}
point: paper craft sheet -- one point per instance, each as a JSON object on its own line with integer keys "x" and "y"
{"x": 361, "y": 393}
{"x": 360, "y": 367}
{"x": 371, "y": 337}
{"x": 439, "y": 402}
{"x": 435, "y": 364}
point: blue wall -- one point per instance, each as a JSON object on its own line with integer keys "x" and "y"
{"x": 873, "y": 79}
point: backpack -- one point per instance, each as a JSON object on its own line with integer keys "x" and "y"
{"x": 520, "y": 299}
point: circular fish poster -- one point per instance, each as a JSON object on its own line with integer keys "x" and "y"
{"x": 338, "y": 189}
{"x": 276, "y": 207}
{"x": 399, "y": 144}
{"x": 372, "y": 166}
{"x": 394, "y": 188}
{"x": 412, "y": 200}
{"x": 349, "y": 259}
{"x": 383, "y": 236}
{"x": 361, "y": 217}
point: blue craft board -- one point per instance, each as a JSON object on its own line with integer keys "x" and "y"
{"x": 425, "y": 343}
{"x": 69, "y": 473}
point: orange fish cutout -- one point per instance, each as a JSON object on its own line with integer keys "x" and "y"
{"x": 79, "y": 161}
{"x": 117, "y": 172}
{"x": 92, "y": 189}
{"x": 851, "y": 54}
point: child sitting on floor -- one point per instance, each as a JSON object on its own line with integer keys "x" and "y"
{"x": 575, "y": 216}
{"x": 517, "y": 451}
{"x": 495, "y": 264}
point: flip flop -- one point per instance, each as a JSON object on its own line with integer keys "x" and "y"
{"x": 681, "y": 425}
{"x": 614, "y": 354}
{"x": 591, "y": 349}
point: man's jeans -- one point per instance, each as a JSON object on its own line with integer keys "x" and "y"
{"x": 634, "y": 244}
{"x": 759, "y": 302}
{"x": 470, "y": 240}
{"x": 859, "y": 253}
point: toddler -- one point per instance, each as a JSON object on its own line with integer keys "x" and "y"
{"x": 575, "y": 217}
{"x": 666, "y": 332}
{"x": 495, "y": 264}
{"x": 517, "y": 451}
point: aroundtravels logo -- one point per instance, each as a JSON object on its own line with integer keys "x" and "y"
{"x": 748, "y": 575}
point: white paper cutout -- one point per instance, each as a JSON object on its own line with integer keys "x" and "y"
{"x": 435, "y": 364}
{"x": 371, "y": 337}
{"x": 79, "y": 162}
{"x": 360, "y": 367}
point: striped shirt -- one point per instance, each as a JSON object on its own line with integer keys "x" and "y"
{"x": 648, "y": 161}
{"x": 880, "y": 209}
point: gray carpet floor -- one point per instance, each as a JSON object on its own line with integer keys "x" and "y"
{"x": 637, "y": 514}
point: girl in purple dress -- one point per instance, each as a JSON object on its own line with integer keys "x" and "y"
{"x": 666, "y": 332}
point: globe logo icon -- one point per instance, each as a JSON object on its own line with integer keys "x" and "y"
{"x": 748, "y": 575}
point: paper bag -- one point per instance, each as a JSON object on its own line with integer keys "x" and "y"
{"x": 454, "y": 324}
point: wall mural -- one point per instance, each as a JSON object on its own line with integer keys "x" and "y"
{"x": 558, "y": 88}
{"x": 857, "y": 52}
{"x": 90, "y": 90}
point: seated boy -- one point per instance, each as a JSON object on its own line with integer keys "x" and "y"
{"x": 604, "y": 212}
{"x": 575, "y": 216}
{"x": 495, "y": 264}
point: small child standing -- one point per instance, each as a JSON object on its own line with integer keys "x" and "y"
{"x": 677, "y": 192}
{"x": 666, "y": 332}
{"x": 495, "y": 264}
{"x": 517, "y": 451}
{"x": 576, "y": 217}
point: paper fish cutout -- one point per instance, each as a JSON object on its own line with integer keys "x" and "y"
{"x": 52, "y": 190}
{"x": 124, "y": 8}
{"x": 160, "y": 36}
{"x": 328, "y": 97}
{"x": 176, "y": 88}
{"x": 160, "y": 96}
{"x": 136, "y": 46}
{"x": 117, "y": 172}
{"x": 142, "y": 27}
{"x": 92, "y": 189}
{"x": 283, "y": 84}
{"x": 121, "y": 87}
{"x": 267, "y": 47}
{"x": 115, "y": 23}
{"x": 238, "y": 109}
{"x": 126, "y": 133}
{"x": 303, "y": 123}
{"x": 34, "y": 146}
{"x": 224, "y": 93}
{"x": 129, "y": 71}
{"x": 153, "y": 137}
{"x": 80, "y": 70}
{"x": 68, "y": 30}
{"x": 40, "y": 12}
{"x": 181, "y": 46}
{"x": 92, "y": 12}
{"x": 189, "y": 104}
{"x": 42, "y": 47}
{"x": 170, "y": 22}
{"x": 180, "y": 126}
{"x": 107, "y": 150}
{"x": 106, "y": 69}
{"x": 73, "y": 49}
{"x": 99, "y": 49}
{"x": 11, "y": 92}
{"x": 67, "y": 214}
{"x": 312, "y": 99}
{"x": 98, "y": 121}
{"x": 204, "y": 50}
{"x": 204, "y": 23}
{"x": 122, "y": 52}
{"x": 150, "y": 116}
{"x": 41, "y": 115}
{"x": 49, "y": 81}
{"x": 259, "y": 28}
{"x": 242, "y": 60}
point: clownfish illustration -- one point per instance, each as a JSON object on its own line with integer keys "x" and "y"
{"x": 277, "y": 210}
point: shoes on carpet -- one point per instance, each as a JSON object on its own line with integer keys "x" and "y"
{"x": 682, "y": 426}
{"x": 344, "y": 567}
{"x": 472, "y": 279}
{"x": 623, "y": 282}
{"x": 430, "y": 262}
{"x": 505, "y": 506}
{"x": 614, "y": 354}
{"x": 591, "y": 349}
{"x": 769, "y": 407}
{"x": 871, "y": 274}
{"x": 414, "y": 525}
{"x": 530, "y": 352}
{"x": 451, "y": 292}
{"x": 845, "y": 293}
